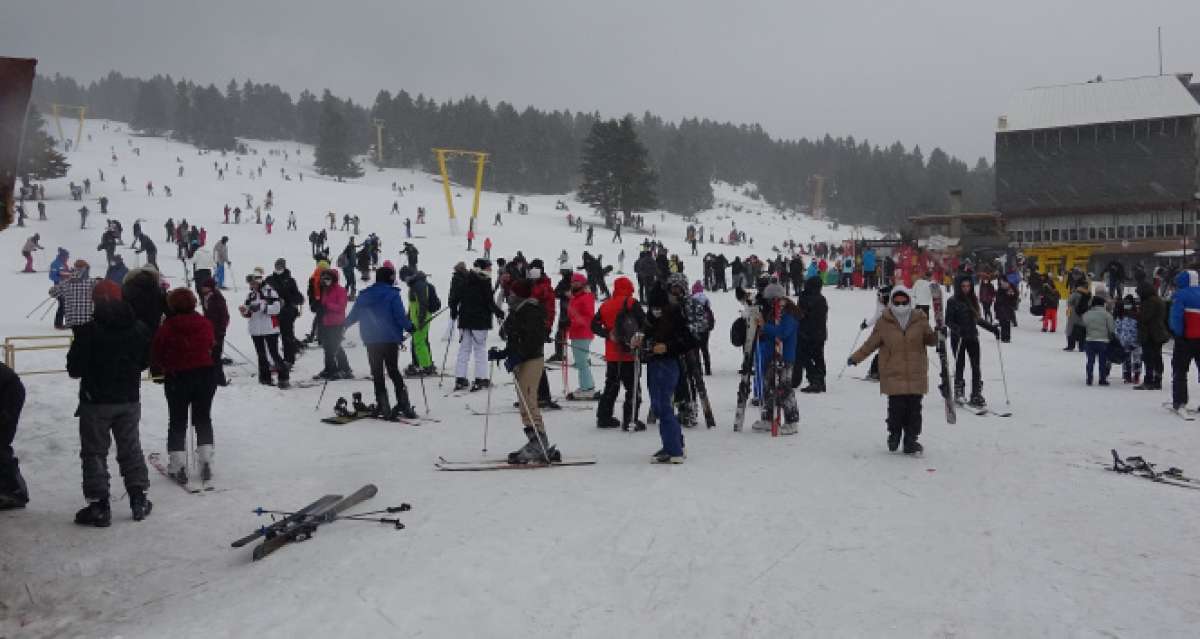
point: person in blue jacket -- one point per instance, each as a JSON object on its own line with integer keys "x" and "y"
{"x": 778, "y": 379}
{"x": 382, "y": 323}
{"x": 868, "y": 262}
{"x": 59, "y": 268}
{"x": 1184, "y": 322}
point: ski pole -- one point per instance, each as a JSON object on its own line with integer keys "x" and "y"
{"x": 240, "y": 353}
{"x": 487, "y": 412}
{"x": 528, "y": 414}
{"x": 322, "y": 395}
{"x": 35, "y": 309}
{"x": 46, "y": 312}
{"x": 445, "y": 356}
{"x": 852, "y": 345}
{"x": 404, "y": 507}
{"x": 1003, "y": 377}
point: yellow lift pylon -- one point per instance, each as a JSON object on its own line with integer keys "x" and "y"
{"x": 480, "y": 161}
{"x": 80, "y": 111}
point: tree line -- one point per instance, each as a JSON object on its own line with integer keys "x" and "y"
{"x": 542, "y": 151}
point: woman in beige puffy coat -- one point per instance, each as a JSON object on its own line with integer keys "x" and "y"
{"x": 901, "y": 335}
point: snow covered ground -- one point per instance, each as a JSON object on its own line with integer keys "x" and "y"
{"x": 1006, "y": 527}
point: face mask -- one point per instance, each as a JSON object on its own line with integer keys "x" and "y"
{"x": 656, "y": 312}
{"x": 279, "y": 271}
{"x": 902, "y": 313}
{"x": 535, "y": 273}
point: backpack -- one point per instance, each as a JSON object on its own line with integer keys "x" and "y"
{"x": 625, "y": 326}
{"x": 434, "y": 303}
{"x": 737, "y": 332}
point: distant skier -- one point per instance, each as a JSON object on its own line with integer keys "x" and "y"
{"x": 32, "y": 244}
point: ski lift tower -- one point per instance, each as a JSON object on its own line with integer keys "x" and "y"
{"x": 80, "y": 112}
{"x": 480, "y": 161}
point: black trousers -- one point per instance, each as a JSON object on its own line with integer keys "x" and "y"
{"x": 1186, "y": 352}
{"x": 704, "y": 353}
{"x": 348, "y": 278}
{"x": 192, "y": 390}
{"x": 335, "y": 355}
{"x": 218, "y": 353}
{"x": 381, "y": 357}
{"x": 266, "y": 345}
{"x": 616, "y": 375}
{"x": 810, "y": 360}
{"x": 644, "y": 286}
{"x": 966, "y": 349}
{"x": 1005, "y": 330}
{"x": 287, "y": 332}
{"x": 1152, "y": 359}
{"x": 12, "y": 400}
{"x": 904, "y": 416}
{"x": 99, "y": 426}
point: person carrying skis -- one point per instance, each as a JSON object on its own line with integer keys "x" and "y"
{"x": 262, "y": 308}
{"x": 333, "y": 315}
{"x": 580, "y": 309}
{"x": 32, "y": 244}
{"x": 777, "y": 376}
{"x": 182, "y": 349}
{"x": 901, "y": 336}
{"x": 524, "y": 332}
{"x": 423, "y": 302}
{"x": 964, "y": 319}
{"x": 14, "y": 493}
{"x": 618, "y": 319}
{"x": 382, "y": 323}
{"x": 810, "y": 341}
{"x": 107, "y": 356}
{"x": 665, "y": 341}
{"x": 472, "y": 306}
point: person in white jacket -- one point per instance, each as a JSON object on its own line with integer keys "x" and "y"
{"x": 261, "y": 309}
{"x": 923, "y": 295}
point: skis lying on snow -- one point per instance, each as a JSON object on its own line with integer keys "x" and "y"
{"x": 344, "y": 413}
{"x": 155, "y": 460}
{"x": 1139, "y": 467}
{"x": 502, "y": 464}
{"x": 301, "y": 526}
{"x": 1182, "y": 412}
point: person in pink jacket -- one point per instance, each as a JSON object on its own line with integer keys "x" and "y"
{"x": 333, "y": 314}
{"x": 580, "y": 309}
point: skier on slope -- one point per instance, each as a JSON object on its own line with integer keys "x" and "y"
{"x": 777, "y": 387}
{"x": 182, "y": 349}
{"x": 562, "y": 291}
{"x": 382, "y": 325}
{"x": 698, "y": 325}
{"x": 964, "y": 319}
{"x": 108, "y": 356}
{"x": 333, "y": 315}
{"x": 32, "y": 244}
{"x": 262, "y": 308}
{"x": 525, "y": 332}
{"x": 472, "y": 306}
{"x": 217, "y": 311}
{"x": 881, "y": 301}
{"x": 901, "y": 336}
{"x": 542, "y": 290}
{"x": 665, "y": 341}
{"x": 810, "y": 344}
{"x": 618, "y": 355}
{"x": 423, "y": 302}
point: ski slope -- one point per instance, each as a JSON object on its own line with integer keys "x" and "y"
{"x": 1005, "y": 528}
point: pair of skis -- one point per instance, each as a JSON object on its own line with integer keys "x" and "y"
{"x": 982, "y": 410}
{"x": 745, "y": 384}
{"x": 155, "y": 461}
{"x": 939, "y": 321}
{"x": 302, "y": 524}
{"x": 1139, "y": 467}
{"x": 503, "y": 464}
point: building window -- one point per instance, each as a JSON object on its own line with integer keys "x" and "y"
{"x": 1073, "y": 235}
{"x": 1187, "y": 229}
{"x": 1158, "y": 231}
{"x": 1141, "y": 231}
{"x": 1120, "y": 232}
{"x": 1092, "y": 233}
{"x": 1054, "y": 235}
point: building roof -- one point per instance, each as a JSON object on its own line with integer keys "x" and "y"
{"x": 1124, "y": 100}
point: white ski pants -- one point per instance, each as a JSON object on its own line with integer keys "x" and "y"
{"x": 472, "y": 342}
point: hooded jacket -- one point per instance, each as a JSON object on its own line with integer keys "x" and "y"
{"x": 60, "y": 264}
{"x": 580, "y": 310}
{"x": 418, "y": 300}
{"x": 333, "y": 302}
{"x": 471, "y": 302}
{"x": 1185, "y": 306}
{"x": 109, "y": 354}
{"x": 142, "y": 290}
{"x": 216, "y": 310}
{"x": 814, "y": 312}
{"x": 903, "y": 361}
{"x": 525, "y": 330}
{"x": 380, "y": 315}
{"x": 262, "y": 311}
{"x": 606, "y": 318}
{"x": 543, "y": 292}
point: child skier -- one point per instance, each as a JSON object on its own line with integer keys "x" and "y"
{"x": 777, "y": 378}
{"x": 1127, "y": 333}
{"x": 901, "y": 335}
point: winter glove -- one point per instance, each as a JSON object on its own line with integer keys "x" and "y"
{"x": 850, "y": 362}
{"x": 863, "y": 326}
{"x": 500, "y": 315}
{"x": 497, "y": 354}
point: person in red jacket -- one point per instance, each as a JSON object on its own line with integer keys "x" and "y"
{"x": 580, "y": 309}
{"x": 619, "y": 370}
{"x": 182, "y": 350}
{"x": 333, "y": 314}
{"x": 217, "y": 312}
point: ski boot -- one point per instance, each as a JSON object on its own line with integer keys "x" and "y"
{"x": 788, "y": 428}
{"x": 346, "y": 374}
{"x": 549, "y": 404}
{"x": 663, "y": 458}
{"x": 360, "y": 407}
{"x": 97, "y": 513}
{"x": 893, "y": 441}
{"x": 340, "y": 408}
{"x": 480, "y": 384}
{"x": 761, "y": 425}
{"x": 139, "y": 506}
{"x": 204, "y": 454}
{"x": 813, "y": 388}
{"x": 610, "y": 422}
{"x": 402, "y": 410}
{"x": 537, "y": 450}
{"x": 913, "y": 448}
{"x": 583, "y": 395}
{"x": 283, "y": 384}
{"x": 177, "y": 466}
{"x": 461, "y": 384}
{"x": 412, "y": 371}
{"x": 977, "y": 401}
{"x": 429, "y": 371}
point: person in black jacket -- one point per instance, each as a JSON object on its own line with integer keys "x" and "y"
{"x": 963, "y": 319}
{"x": 108, "y": 356}
{"x": 525, "y": 333}
{"x": 472, "y": 306}
{"x": 289, "y": 293}
{"x": 796, "y": 274}
{"x": 666, "y": 341}
{"x": 1006, "y": 309}
{"x": 561, "y": 293}
{"x": 13, "y": 491}
{"x": 810, "y": 342}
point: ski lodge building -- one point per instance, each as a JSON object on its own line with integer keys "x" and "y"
{"x": 1112, "y": 164}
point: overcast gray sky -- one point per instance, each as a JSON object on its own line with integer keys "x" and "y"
{"x": 934, "y": 73}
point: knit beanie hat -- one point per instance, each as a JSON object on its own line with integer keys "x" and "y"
{"x": 106, "y": 291}
{"x": 181, "y": 301}
{"x": 772, "y": 291}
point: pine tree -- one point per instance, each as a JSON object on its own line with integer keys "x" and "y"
{"x": 684, "y": 184}
{"x": 332, "y": 156}
{"x": 150, "y": 111}
{"x": 635, "y": 179}
{"x": 39, "y": 159}
{"x": 598, "y": 187}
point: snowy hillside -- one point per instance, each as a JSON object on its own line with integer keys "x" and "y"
{"x": 1005, "y": 528}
